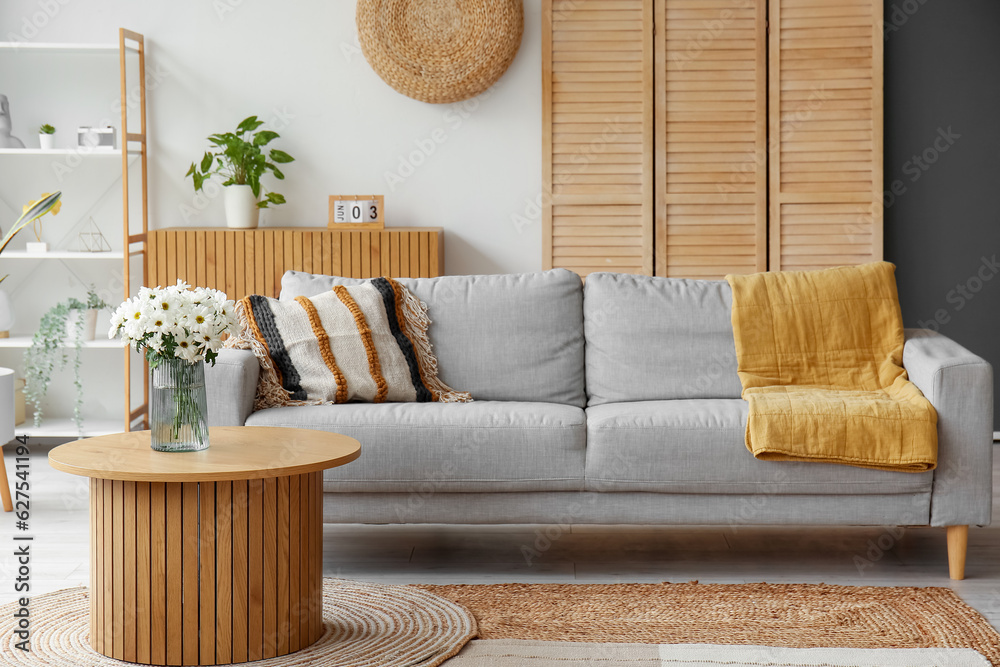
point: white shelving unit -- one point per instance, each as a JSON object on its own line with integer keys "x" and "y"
{"x": 63, "y": 254}
{"x": 104, "y": 152}
{"x": 54, "y": 46}
{"x": 25, "y": 342}
{"x": 66, "y": 428}
{"x": 133, "y": 146}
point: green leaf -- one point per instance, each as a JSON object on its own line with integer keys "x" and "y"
{"x": 190, "y": 171}
{"x": 40, "y": 208}
{"x": 249, "y": 124}
{"x": 206, "y": 162}
{"x": 275, "y": 198}
{"x": 277, "y": 172}
{"x": 198, "y": 180}
{"x": 254, "y": 184}
{"x": 262, "y": 204}
{"x": 281, "y": 157}
{"x": 263, "y": 137}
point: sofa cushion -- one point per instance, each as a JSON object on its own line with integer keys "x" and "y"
{"x": 516, "y": 337}
{"x": 697, "y": 446}
{"x": 658, "y": 338}
{"x": 363, "y": 342}
{"x": 442, "y": 447}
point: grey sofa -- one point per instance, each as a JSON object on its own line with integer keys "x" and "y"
{"x": 612, "y": 402}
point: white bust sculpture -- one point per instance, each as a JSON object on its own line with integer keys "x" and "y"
{"x": 6, "y": 139}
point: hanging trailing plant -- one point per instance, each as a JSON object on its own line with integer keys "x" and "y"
{"x": 48, "y": 353}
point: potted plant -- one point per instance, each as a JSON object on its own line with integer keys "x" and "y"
{"x": 240, "y": 158}
{"x": 47, "y": 352}
{"x": 47, "y": 137}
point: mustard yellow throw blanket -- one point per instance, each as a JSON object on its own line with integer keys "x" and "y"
{"x": 820, "y": 358}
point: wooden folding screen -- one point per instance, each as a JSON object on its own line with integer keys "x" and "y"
{"x": 597, "y": 76}
{"x": 762, "y": 118}
{"x": 826, "y": 133}
{"x": 711, "y": 137}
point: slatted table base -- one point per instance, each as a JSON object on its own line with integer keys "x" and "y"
{"x": 206, "y": 573}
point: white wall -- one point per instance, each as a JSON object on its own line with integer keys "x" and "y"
{"x": 297, "y": 64}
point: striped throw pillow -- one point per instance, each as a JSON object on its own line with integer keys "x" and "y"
{"x": 365, "y": 342}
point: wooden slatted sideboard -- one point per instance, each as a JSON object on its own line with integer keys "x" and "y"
{"x": 252, "y": 261}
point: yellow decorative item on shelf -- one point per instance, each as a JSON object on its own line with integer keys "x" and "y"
{"x": 440, "y": 51}
{"x": 36, "y": 224}
{"x": 31, "y": 212}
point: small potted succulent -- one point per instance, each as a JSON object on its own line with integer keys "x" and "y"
{"x": 47, "y": 137}
{"x": 241, "y": 158}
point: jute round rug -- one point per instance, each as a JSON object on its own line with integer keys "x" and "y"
{"x": 785, "y": 615}
{"x": 366, "y": 625}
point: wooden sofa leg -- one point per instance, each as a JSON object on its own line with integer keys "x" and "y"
{"x": 958, "y": 544}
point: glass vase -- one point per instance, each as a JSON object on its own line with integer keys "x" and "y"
{"x": 178, "y": 407}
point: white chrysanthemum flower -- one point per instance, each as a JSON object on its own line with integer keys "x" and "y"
{"x": 199, "y": 318}
{"x": 168, "y": 306}
{"x": 209, "y": 342}
{"x": 190, "y": 322}
{"x": 155, "y": 342}
{"x": 187, "y": 349}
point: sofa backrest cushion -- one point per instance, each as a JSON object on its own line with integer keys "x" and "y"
{"x": 514, "y": 337}
{"x": 658, "y": 339}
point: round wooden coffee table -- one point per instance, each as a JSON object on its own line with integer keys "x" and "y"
{"x": 209, "y": 557}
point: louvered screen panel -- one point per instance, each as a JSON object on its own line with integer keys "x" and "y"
{"x": 826, "y": 113}
{"x": 597, "y": 85}
{"x": 711, "y": 137}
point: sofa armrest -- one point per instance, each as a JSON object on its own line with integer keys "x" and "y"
{"x": 960, "y": 387}
{"x": 231, "y": 385}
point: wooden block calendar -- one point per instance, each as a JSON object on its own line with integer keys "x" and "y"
{"x": 356, "y": 212}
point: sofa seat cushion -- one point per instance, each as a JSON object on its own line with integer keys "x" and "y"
{"x": 445, "y": 447}
{"x": 697, "y": 446}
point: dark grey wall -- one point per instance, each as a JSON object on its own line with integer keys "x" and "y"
{"x": 942, "y": 156}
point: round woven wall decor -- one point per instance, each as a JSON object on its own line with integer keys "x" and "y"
{"x": 440, "y": 51}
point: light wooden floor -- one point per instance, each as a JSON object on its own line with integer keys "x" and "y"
{"x": 583, "y": 554}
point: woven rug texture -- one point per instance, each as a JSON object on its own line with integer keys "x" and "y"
{"x": 786, "y": 615}
{"x": 366, "y": 625}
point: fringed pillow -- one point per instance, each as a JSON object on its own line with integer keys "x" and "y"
{"x": 365, "y": 342}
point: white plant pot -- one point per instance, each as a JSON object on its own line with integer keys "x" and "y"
{"x": 47, "y": 141}
{"x": 89, "y": 325}
{"x": 241, "y": 207}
